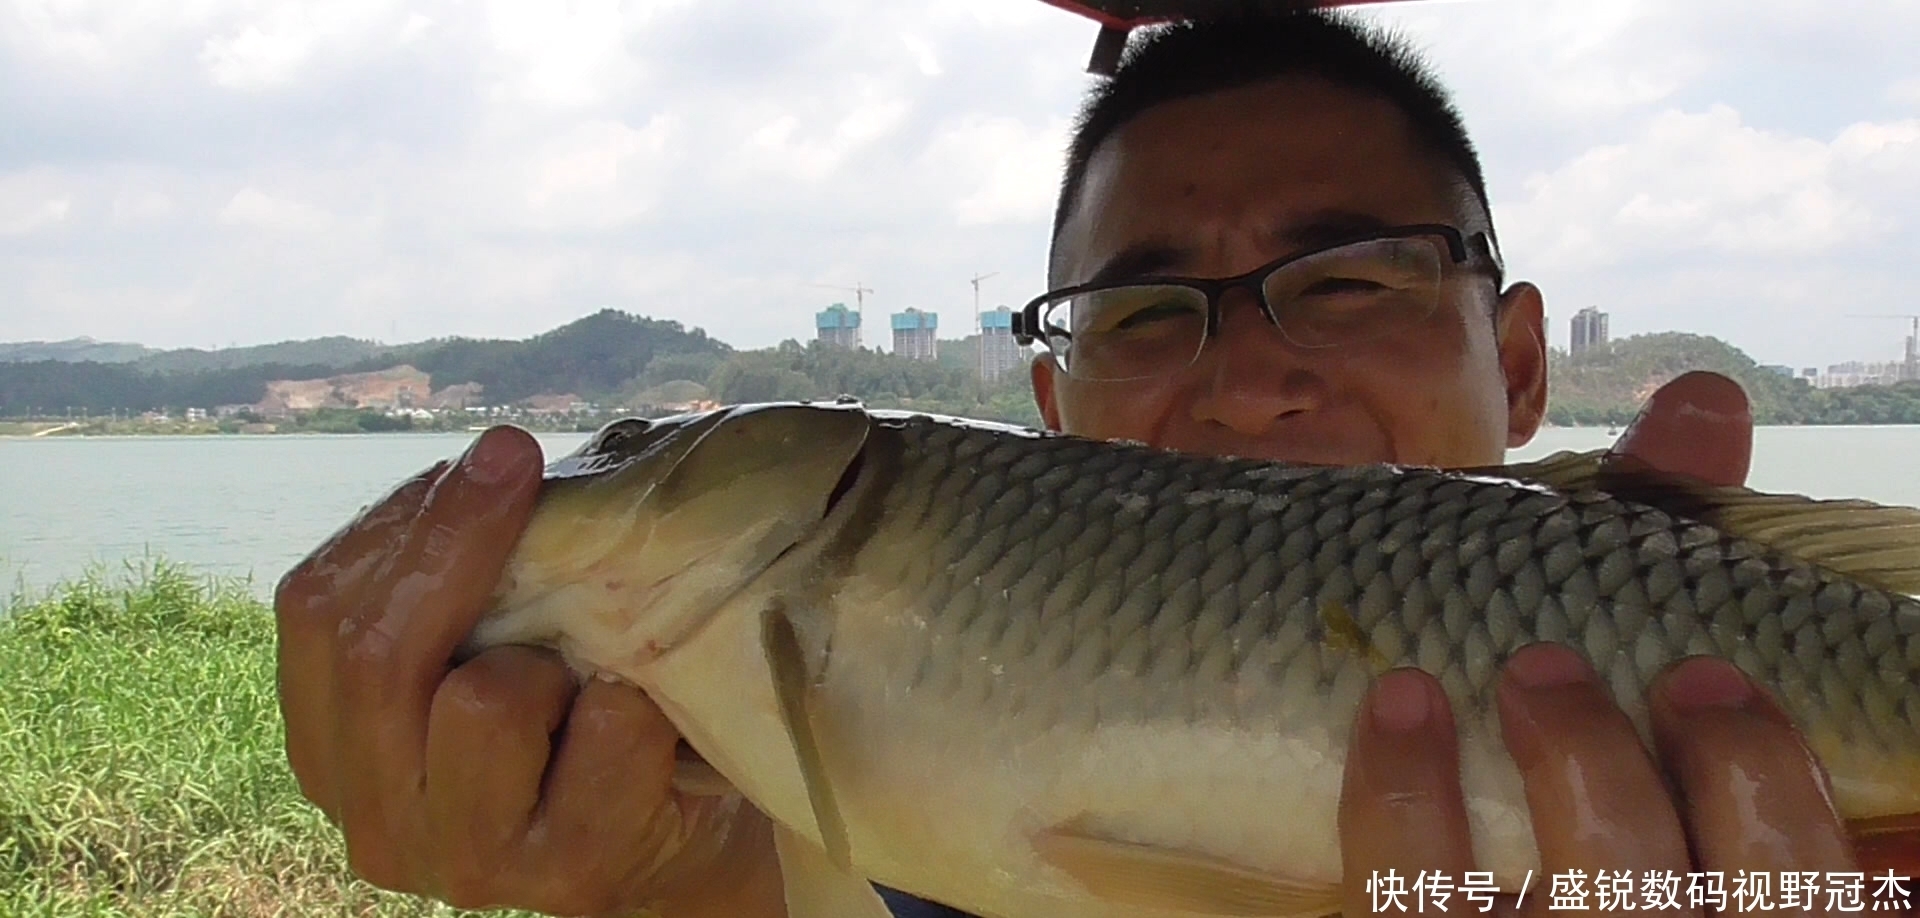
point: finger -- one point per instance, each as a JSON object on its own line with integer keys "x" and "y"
{"x": 1754, "y": 796}
{"x": 1597, "y": 799}
{"x": 309, "y": 603}
{"x": 397, "y": 648}
{"x": 456, "y": 549}
{"x": 345, "y": 556}
{"x": 612, "y": 766}
{"x": 1402, "y": 815}
{"x": 1699, "y": 424}
{"x": 488, "y": 742}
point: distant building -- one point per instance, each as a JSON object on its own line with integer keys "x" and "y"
{"x": 1860, "y": 373}
{"x": 1000, "y": 354}
{"x": 838, "y": 326}
{"x": 914, "y": 334}
{"x": 1589, "y": 331}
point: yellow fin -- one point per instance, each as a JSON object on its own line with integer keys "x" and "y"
{"x": 1876, "y": 544}
{"x": 1141, "y": 876}
{"x": 815, "y": 888}
{"x": 793, "y": 687}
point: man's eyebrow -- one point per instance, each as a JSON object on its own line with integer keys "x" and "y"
{"x": 1138, "y": 260}
{"x": 1318, "y": 229}
{"x": 1327, "y": 227}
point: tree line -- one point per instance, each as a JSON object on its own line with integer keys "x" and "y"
{"x": 643, "y": 365}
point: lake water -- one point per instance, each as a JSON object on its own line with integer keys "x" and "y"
{"x": 253, "y": 506}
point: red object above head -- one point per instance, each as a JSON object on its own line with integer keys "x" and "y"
{"x": 1118, "y": 18}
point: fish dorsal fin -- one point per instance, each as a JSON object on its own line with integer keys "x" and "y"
{"x": 1133, "y": 876}
{"x": 1876, "y": 544}
{"x": 1563, "y": 471}
{"x": 794, "y": 690}
{"x": 815, "y": 888}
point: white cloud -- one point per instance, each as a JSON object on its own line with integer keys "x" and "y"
{"x": 268, "y": 45}
{"x": 570, "y": 55}
{"x": 256, "y": 209}
{"x": 1701, "y": 184}
{"x": 600, "y": 175}
{"x": 136, "y": 207}
{"x": 33, "y": 202}
{"x": 261, "y": 169}
{"x": 1003, "y": 170}
{"x": 1905, "y": 92}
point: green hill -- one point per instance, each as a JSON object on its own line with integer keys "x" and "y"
{"x": 73, "y": 350}
{"x": 593, "y": 358}
{"x": 337, "y": 351}
{"x": 1609, "y": 386}
{"x": 616, "y": 359}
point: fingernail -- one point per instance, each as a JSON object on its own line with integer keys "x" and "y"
{"x": 1402, "y": 701}
{"x": 1708, "y": 683}
{"x": 1545, "y": 666}
{"x": 488, "y": 461}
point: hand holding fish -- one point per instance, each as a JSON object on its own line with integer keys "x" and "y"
{"x": 1047, "y": 675}
{"x": 435, "y": 774}
{"x": 496, "y": 782}
{"x": 1747, "y": 793}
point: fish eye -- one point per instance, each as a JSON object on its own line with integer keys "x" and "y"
{"x": 613, "y": 434}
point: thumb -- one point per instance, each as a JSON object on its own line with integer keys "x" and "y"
{"x": 1699, "y": 425}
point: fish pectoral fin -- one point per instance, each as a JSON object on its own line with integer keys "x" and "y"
{"x": 1887, "y": 843}
{"x": 1142, "y": 876}
{"x": 816, "y": 888}
{"x": 1878, "y": 545}
{"x": 696, "y": 777}
{"x": 793, "y": 687}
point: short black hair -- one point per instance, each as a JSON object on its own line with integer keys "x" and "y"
{"x": 1259, "y": 42}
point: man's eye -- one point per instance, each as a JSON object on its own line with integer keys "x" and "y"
{"x": 1156, "y": 313}
{"x": 1335, "y": 286}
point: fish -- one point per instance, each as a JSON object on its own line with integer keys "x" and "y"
{"x": 1026, "y": 673}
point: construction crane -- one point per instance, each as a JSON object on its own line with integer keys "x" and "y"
{"x": 975, "y": 281}
{"x": 859, "y": 292}
{"x": 979, "y": 334}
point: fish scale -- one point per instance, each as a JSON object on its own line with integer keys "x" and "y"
{"x": 1603, "y": 554}
{"x": 997, "y": 638}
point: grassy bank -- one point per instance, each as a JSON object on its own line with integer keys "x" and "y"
{"x": 141, "y": 765}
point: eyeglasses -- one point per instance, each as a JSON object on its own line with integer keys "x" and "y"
{"x": 1340, "y": 295}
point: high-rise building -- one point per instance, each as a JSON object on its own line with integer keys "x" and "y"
{"x": 1589, "y": 331}
{"x": 838, "y": 326}
{"x": 914, "y": 334}
{"x": 1000, "y": 354}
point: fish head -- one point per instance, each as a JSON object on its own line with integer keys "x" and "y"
{"x": 648, "y": 529}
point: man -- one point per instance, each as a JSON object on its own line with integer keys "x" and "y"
{"x": 1290, "y": 152}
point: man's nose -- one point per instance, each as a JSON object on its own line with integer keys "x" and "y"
{"x": 1250, "y": 376}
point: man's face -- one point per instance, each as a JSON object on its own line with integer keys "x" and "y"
{"x": 1216, "y": 185}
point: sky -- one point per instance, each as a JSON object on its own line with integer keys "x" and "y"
{"x": 214, "y": 172}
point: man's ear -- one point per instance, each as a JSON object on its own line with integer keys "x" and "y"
{"x": 1520, "y": 336}
{"x": 1040, "y": 372}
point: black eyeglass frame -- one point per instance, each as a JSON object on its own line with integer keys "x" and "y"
{"x": 1461, "y": 247}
